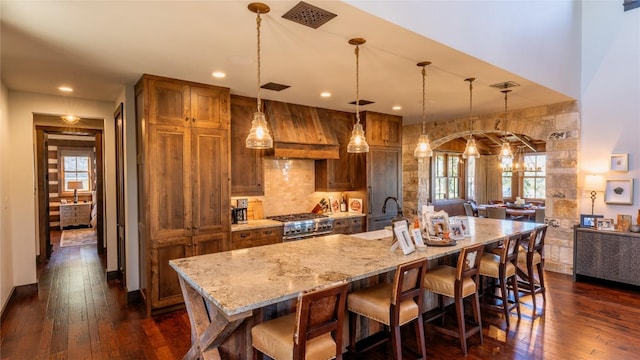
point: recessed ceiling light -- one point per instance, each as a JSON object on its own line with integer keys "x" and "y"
{"x": 65, "y": 89}
{"x": 325, "y": 94}
{"x": 218, "y": 74}
{"x": 397, "y": 107}
{"x": 70, "y": 119}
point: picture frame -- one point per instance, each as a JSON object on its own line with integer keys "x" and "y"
{"x": 464, "y": 225}
{"x": 417, "y": 237}
{"x": 355, "y": 205}
{"x": 435, "y": 224}
{"x": 455, "y": 231}
{"x": 619, "y": 162}
{"x": 334, "y": 205}
{"x": 404, "y": 239}
{"x": 604, "y": 224}
{"x": 619, "y": 192}
{"x": 623, "y": 222}
{"x": 589, "y": 221}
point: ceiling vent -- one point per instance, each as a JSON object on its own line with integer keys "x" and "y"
{"x": 362, "y": 102}
{"x": 275, "y": 86}
{"x": 505, "y": 85}
{"x": 308, "y": 15}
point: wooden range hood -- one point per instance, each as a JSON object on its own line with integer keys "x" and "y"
{"x": 301, "y": 132}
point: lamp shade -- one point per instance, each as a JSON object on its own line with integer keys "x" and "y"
{"x": 594, "y": 183}
{"x": 75, "y": 185}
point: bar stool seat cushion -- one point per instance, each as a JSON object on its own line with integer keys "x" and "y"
{"x": 522, "y": 258}
{"x": 274, "y": 338}
{"x": 490, "y": 266}
{"x": 374, "y": 303}
{"x": 442, "y": 280}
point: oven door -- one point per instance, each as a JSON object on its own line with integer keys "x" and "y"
{"x": 296, "y": 237}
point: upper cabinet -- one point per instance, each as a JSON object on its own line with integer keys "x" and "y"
{"x": 344, "y": 173}
{"x": 247, "y": 173}
{"x": 184, "y": 104}
{"x": 383, "y": 129}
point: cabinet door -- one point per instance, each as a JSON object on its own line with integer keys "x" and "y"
{"x": 384, "y": 173}
{"x": 247, "y": 172}
{"x": 383, "y": 129}
{"x": 164, "y": 280}
{"x": 169, "y": 103}
{"x": 210, "y": 107}
{"x": 210, "y": 181}
{"x": 210, "y": 243}
{"x": 169, "y": 160}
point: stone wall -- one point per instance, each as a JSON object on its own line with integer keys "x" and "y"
{"x": 557, "y": 124}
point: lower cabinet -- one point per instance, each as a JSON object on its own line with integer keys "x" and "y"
{"x": 256, "y": 237}
{"x": 607, "y": 255}
{"x": 164, "y": 280}
{"x": 352, "y": 225}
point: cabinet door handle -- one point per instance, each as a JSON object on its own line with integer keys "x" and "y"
{"x": 195, "y": 228}
{"x": 268, "y": 232}
{"x": 188, "y": 227}
{"x": 186, "y": 119}
{"x": 194, "y": 119}
{"x": 189, "y": 245}
{"x": 244, "y": 235}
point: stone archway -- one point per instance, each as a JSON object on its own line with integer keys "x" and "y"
{"x": 558, "y": 124}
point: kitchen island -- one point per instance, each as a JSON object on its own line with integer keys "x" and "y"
{"x": 223, "y": 290}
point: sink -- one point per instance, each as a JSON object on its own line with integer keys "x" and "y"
{"x": 374, "y": 235}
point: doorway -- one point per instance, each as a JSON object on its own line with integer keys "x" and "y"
{"x": 53, "y": 144}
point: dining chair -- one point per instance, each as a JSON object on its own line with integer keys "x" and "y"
{"x": 393, "y": 305}
{"x": 468, "y": 209}
{"x": 496, "y": 213}
{"x": 458, "y": 283}
{"x": 314, "y": 331}
{"x": 530, "y": 255}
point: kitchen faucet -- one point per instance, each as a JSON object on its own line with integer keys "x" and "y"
{"x": 384, "y": 207}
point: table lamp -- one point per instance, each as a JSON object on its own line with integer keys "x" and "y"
{"x": 75, "y": 185}
{"x": 593, "y": 183}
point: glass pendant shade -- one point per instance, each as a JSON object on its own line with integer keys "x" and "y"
{"x": 423, "y": 149}
{"x": 505, "y": 152}
{"x": 358, "y": 142}
{"x": 471, "y": 150}
{"x": 259, "y": 136}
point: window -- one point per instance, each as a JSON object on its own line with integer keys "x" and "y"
{"x": 507, "y": 184}
{"x": 75, "y": 166}
{"x": 534, "y": 182}
{"x": 447, "y": 176}
{"x": 471, "y": 178}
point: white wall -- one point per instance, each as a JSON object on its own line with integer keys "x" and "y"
{"x": 610, "y": 97}
{"x": 22, "y": 188}
{"x": 6, "y": 248}
{"x": 538, "y": 40}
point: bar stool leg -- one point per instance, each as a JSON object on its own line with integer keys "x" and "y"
{"x": 476, "y": 314}
{"x": 505, "y": 300}
{"x": 541, "y": 277}
{"x": 516, "y": 296}
{"x": 353, "y": 320}
{"x": 532, "y": 286}
{"x": 419, "y": 329}
{"x": 461, "y": 323}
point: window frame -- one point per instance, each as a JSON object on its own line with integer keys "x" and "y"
{"x": 534, "y": 175}
{"x": 75, "y": 152}
{"x": 461, "y": 176}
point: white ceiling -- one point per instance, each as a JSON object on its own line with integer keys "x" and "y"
{"x": 96, "y": 47}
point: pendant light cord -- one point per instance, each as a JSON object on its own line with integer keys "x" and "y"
{"x": 424, "y": 76}
{"x": 258, "y": 21}
{"x": 357, "y": 51}
{"x": 470, "y": 106}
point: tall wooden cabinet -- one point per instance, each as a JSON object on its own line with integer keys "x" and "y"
{"x": 247, "y": 171}
{"x": 383, "y": 167}
{"x": 183, "y": 179}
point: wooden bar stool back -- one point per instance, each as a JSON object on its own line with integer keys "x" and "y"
{"x": 530, "y": 255}
{"x": 392, "y": 305}
{"x": 458, "y": 283}
{"x": 314, "y": 331}
{"x": 501, "y": 265}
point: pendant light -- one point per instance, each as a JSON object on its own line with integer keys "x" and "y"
{"x": 259, "y": 136}
{"x": 358, "y": 142}
{"x": 423, "y": 148}
{"x": 505, "y": 151}
{"x": 471, "y": 150}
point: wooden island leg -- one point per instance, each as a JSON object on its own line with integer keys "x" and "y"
{"x": 209, "y": 326}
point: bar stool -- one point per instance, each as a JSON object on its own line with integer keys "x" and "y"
{"x": 501, "y": 266}
{"x": 532, "y": 253}
{"x": 392, "y": 305}
{"x": 458, "y": 283}
{"x": 314, "y": 331}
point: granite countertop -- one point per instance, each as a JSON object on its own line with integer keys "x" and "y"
{"x": 263, "y": 223}
{"x": 242, "y": 280}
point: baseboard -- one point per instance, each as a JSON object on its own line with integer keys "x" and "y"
{"x": 19, "y": 292}
{"x": 133, "y": 296}
{"x": 112, "y": 275}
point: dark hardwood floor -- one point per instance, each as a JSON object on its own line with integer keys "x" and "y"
{"x": 77, "y": 314}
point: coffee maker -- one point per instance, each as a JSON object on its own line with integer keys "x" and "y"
{"x": 239, "y": 213}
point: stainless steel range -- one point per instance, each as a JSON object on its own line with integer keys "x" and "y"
{"x": 304, "y": 225}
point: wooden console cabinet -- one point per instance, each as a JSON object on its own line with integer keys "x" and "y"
{"x": 607, "y": 255}
{"x": 75, "y": 214}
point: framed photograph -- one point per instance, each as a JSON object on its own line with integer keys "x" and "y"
{"x": 464, "y": 225}
{"x": 619, "y": 162}
{"x": 619, "y": 192}
{"x": 455, "y": 231}
{"x": 334, "y": 205}
{"x": 435, "y": 223}
{"x": 355, "y": 205}
{"x": 624, "y": 222}
{"x": 604, "y": 224}
{"x": 404, "y": 239}
{"x": 417, "y": 237}
{"x": 589, "y": 221}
